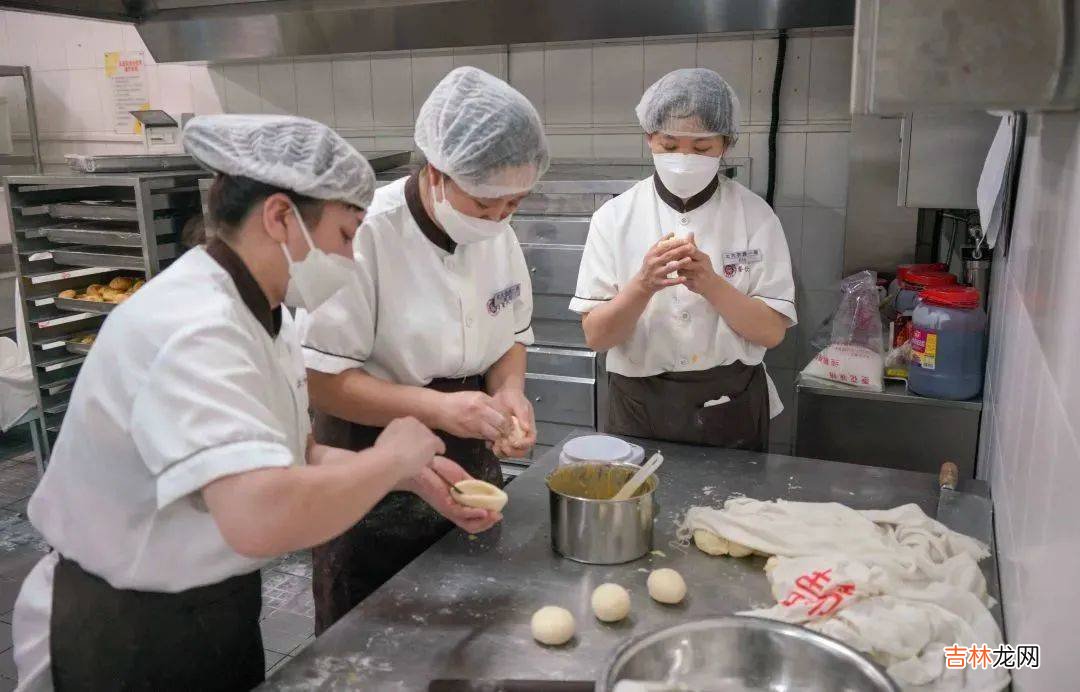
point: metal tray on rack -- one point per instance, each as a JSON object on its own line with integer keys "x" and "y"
{"x": 74, "y": 305}
{"x": 130, "y": 163}
{"x": 119, "y": 258}
{"x": 103, "y": 233}
{"x": 79, "y": 348}
{"x": 103, "y": 210}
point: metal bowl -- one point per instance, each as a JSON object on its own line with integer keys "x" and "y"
{"x": 586, "y": 528}
{"x": 739, "y": 654}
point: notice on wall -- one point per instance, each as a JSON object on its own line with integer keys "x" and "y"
{"x": 126, "y": 73}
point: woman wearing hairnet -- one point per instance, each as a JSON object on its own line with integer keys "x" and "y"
{"x": 686, "y": 280}
{"x": 185, "y": 461}
{"x": 436, "y": 327}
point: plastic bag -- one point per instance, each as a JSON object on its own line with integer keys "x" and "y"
{"x": 850, "y": 346}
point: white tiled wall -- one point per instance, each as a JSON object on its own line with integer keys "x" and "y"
{"x": 1030, "y": 442}
{"x": 584, "y": 91}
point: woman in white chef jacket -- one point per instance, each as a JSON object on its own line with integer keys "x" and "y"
{"x": 180, "y": 469}
{"x": 686, "y": 280}
{"x": 438, "y": 325}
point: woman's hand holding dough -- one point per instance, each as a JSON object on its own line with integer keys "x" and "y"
{"x": 472, "y": 415}
{"x": 669, "y": 255}
{"x": 430, "y": 485}
{"x": 699, "y": 274}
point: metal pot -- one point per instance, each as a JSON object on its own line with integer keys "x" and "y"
{"x": 740, "y": 653}
{"x": 598, "y": 531}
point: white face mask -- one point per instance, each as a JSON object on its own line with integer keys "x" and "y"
{"x": 686, "y": 174}
{"x": 464, "y": 229}
{"x": 317, "y": 277}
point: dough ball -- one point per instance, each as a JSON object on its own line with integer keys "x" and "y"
{"x": 94, "y": 289}
{"x": 517, "y": 436}
{"x": 120, "y": 283}
{"x": 552, "y": 625}
{"x": 610, "y": 602}
{"x": 709, "y": 543}
{"x": 666, "y": 586}
{"x": 475, "y": 493}
{"x": 738, "y": 549}
{"x": 771, "y": 564}
{"x": 70, "y": 293}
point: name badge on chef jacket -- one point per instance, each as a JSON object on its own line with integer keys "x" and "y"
{"x": 738, "y": 261}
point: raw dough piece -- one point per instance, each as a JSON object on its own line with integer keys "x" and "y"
{"x": 666, "y": 586}
{"x": 610, "y": 602}
{"x": 738, "y": 549}
{"x": 709, "y": 543}
{"x": 552, "y": 625}
{"x": 475, "y": 493}
{"x": 513, "y": 439}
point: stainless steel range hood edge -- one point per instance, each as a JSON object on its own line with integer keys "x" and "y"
{"x": 187, "y": 31}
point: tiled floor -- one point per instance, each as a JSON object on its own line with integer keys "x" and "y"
{"x": 287, "y": 620}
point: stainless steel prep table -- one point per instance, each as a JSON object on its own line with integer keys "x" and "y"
{"x": 462, "y": 609}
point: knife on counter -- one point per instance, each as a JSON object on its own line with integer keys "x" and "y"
{"x": 966, "y": 513}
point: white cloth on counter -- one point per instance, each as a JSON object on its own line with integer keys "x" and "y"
{"x": 894, "y": 584}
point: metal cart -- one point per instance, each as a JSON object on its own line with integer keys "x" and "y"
{"x": 71, "y": 230}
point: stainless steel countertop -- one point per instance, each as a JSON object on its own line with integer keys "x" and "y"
{"x": 462, "y": 609}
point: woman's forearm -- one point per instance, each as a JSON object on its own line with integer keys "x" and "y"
{"x": 508, "y": 371}
{"x": 274, "y": 511}
{"x": 612, "y": 323}
{"x": 356, "y": 396}
{"x": 748, "y": 317}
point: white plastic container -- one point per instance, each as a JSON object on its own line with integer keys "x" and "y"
{"x": 603, "y": 449}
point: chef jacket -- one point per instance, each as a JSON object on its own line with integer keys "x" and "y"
{"x": 422, "y": 307}
{"x": 192, "y": 379}
{"x": 679, "y": 329}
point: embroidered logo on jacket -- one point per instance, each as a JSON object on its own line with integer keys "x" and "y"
{"x": 503, "y": 298}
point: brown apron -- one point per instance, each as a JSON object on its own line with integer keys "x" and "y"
{"x": 397, "y": 530}
{"x": 670, "y": 407}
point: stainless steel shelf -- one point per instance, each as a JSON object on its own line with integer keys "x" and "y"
{"x": 73, "y": 347}
{"x": 97, "y": 210}
{"x": 895, "y": 393}
{"x": 87, "y": 256}
{"x": 104, "y": 233}
{"x": 73, "y": 305}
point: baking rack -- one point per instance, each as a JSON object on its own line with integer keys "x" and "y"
{"x": 75, "y": 229}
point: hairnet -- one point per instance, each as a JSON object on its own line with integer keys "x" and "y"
{"x": 483, "y": 133}
{"x": 693, "y": 102}
{"x": 285, "y": 151}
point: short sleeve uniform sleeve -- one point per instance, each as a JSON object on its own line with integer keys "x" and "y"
{"x": 597, "y": 283}
{"x": 340, "y": 334}
{"x": 204, "y": 412}
{"x": 771, "y": 280}
{"x": 523, "y": 303}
